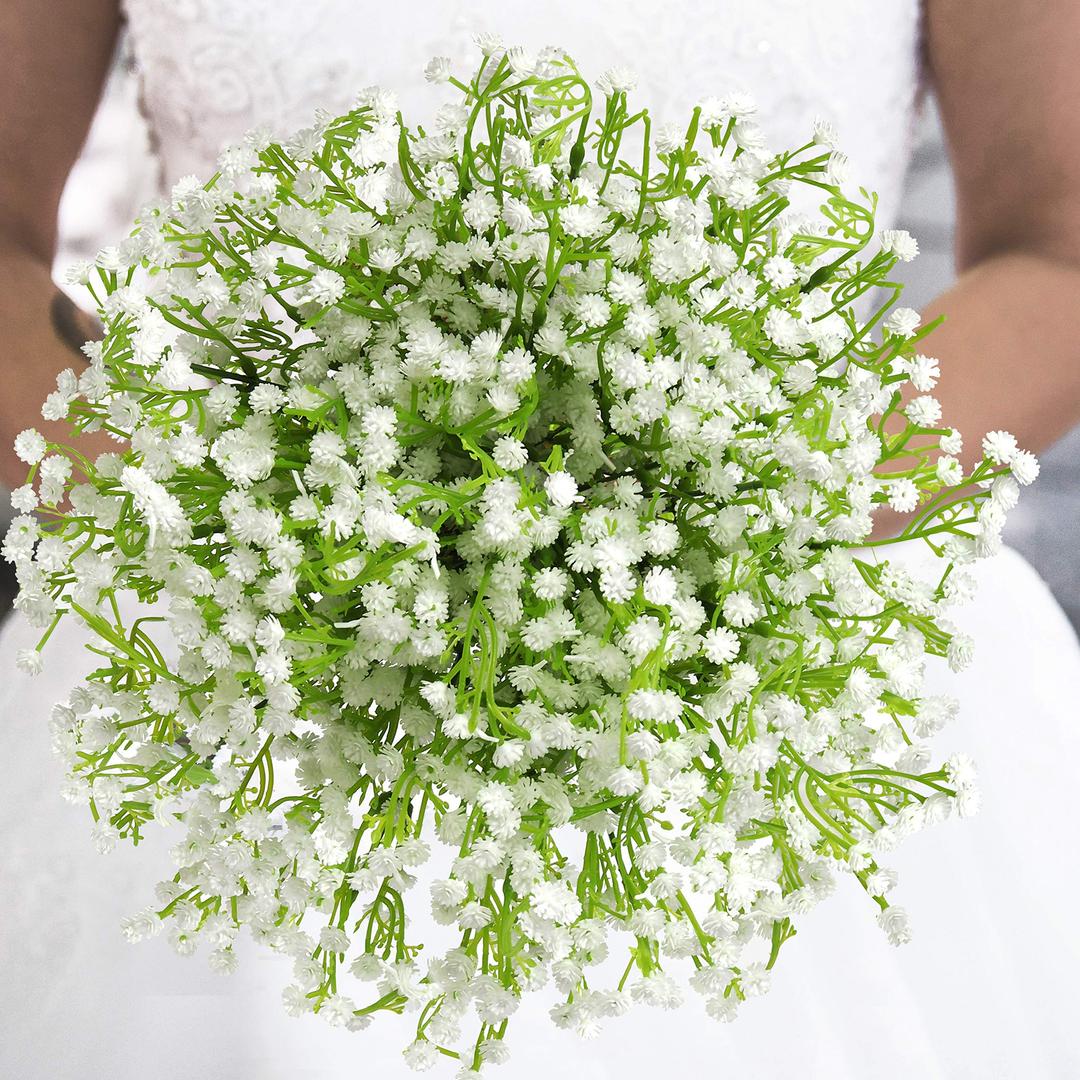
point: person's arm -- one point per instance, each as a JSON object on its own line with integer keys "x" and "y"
{"x": 56, "y": 59}
{"x": 1007, "y": 76}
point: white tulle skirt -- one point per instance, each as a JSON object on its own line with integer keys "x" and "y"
{"x": 987, "y": 988}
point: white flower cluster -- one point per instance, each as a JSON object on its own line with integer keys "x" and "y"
{"x": 476, "y": 484}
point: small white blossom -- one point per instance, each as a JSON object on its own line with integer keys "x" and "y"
{"x": 562, "y": 489}
{"x": 900, "y": 243}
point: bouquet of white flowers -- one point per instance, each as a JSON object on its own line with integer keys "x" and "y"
{"x": 502, "y": 483}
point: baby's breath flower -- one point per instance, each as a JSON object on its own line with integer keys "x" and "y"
{"x": 900, "y": 243}
{"x": 999, "y": 447}
{"x": 894, "y": 921}
{"x": 474, "y": 491}
{"x": 30, "y": 446}
{"x": 438, "y": 69}
{"x": 902, "y": 322}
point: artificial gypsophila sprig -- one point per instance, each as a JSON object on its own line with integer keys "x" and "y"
{"x": 492, "y": 488}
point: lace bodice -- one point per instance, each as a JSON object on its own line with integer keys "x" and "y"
{"x": 212, "y": 69}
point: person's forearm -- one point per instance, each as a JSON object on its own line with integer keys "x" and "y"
{"x": 1010, "y": 357}
{"x": 1009, "y": 350}
{"x": 31, "y": 355}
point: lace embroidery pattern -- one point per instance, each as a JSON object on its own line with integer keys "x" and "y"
{"x": 212, "y": 69}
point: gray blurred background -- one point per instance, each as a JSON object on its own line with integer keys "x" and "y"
{"x": 116, "y": 174}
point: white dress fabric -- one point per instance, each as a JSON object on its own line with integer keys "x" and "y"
{"x": 986, "y": 989}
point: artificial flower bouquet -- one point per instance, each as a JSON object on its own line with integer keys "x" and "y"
{"x": 489, "y": 520}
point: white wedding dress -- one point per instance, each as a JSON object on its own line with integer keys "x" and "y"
{"x": 986, "y": 989}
